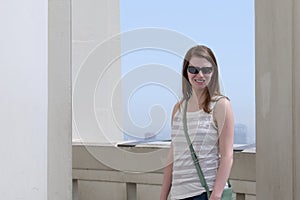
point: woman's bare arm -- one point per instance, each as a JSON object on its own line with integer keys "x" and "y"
{"x": 225, "y": 121}
{"x": 167, "y": 182}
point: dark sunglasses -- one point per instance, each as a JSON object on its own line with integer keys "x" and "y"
{"x": 196, "y": 70}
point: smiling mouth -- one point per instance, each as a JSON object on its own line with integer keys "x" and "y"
{"x": 199, "y": 81}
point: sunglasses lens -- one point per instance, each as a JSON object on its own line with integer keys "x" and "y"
{"x": 193, "y": 70}
{"x": 206, "y": 70}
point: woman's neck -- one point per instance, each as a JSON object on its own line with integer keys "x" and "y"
{"x": 198, "y": 98}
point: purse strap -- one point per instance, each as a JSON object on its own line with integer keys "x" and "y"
{"x": 193, "y": 154}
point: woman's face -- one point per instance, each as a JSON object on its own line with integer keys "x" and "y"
{"x": 199, "y": 73}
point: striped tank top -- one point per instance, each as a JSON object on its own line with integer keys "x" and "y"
{"x": 204, "y": 137}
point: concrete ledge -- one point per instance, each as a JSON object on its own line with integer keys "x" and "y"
{"x": 118, "y": 176}
{"x": 96, "y": 174}
{"x": 244, "y": 187}
{"x": 244, "y": 166}
{"x": 128, "y": 159}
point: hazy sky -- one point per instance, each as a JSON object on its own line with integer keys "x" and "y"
{"x": 227, "y": 27}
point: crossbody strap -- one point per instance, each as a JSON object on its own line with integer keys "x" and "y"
{"x": 193, "y": 154}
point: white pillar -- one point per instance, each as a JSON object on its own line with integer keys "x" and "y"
{"x": 23, "y": 99}
{"x": 59, "y": 101}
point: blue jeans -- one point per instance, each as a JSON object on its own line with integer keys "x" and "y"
{"x": 202, "y": 196}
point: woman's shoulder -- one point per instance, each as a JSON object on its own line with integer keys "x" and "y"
{"x": 177, "y": 107}
{"x": 221, "y": 110}
{"x": 219, "y": 102}
{"x": 216, "y": 98}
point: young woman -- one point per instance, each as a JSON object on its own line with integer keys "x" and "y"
{"x": 210, "y": 127}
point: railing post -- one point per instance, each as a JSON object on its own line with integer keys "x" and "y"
{"x": 75, "y": 189}
{"x": 131, "y": 191}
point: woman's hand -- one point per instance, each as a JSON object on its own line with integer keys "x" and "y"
{"x": 214, "y": 197}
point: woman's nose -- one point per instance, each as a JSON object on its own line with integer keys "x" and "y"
{"x": 200, "y": 73}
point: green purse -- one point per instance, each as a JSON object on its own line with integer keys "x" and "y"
{"x": 227, "y": 192}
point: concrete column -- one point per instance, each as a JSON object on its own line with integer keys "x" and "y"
{"x": 59, "y": 101}
{"x": 23, "y": 100}
{"x": 277, "y": 99}
{"x": 296, "y": 97}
